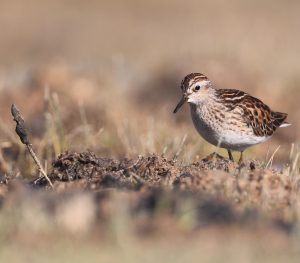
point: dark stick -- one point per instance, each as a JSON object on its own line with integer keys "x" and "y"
{"x": 22, "y": 133}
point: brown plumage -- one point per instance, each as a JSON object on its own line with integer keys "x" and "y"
{"x": 228, "y": 118}
{"x": 191, "y": 79}
{"x": 256, "y": 114}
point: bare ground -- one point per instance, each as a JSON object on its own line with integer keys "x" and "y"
{"x": 216, "y": 190}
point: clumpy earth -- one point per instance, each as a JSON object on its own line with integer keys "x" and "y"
{"x": 217, "y": 190}
{"x": 108, "y": 208}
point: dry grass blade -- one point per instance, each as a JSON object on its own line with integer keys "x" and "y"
{"x": 180, "y": 148}
{"x": 270, "y": 162}
{"x": 22, "y": 133}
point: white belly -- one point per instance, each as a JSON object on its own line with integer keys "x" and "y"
{"x": 223, "y": 135}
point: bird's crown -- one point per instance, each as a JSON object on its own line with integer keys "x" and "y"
{"x": 191, "y": 79}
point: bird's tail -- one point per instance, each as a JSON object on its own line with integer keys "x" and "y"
{"x": 279, "y": 119}
{"x": 285, "y": 124}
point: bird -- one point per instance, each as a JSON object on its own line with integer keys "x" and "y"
{"x": 228, "y": 118}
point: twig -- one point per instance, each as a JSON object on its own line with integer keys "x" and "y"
{"x": 22, "y": 133}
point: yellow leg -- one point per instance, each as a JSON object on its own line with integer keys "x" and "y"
{"x": 241, "y": 159}
{"x": 230, "y": 156}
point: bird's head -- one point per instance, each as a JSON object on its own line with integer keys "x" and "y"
{"x": 195, "y": 88}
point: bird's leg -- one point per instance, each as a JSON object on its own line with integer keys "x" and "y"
{"x": 241, "y": 159}
{"x": 230, "y": 156}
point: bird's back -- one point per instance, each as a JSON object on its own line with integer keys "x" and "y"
{"x": 255, "y": 113}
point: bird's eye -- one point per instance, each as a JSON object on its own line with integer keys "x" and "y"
{"x": 197, "y": 88}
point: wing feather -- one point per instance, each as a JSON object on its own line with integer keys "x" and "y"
{"x": 255, "y": 113}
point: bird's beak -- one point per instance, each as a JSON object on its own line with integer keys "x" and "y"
{"x": 181, "y": 102}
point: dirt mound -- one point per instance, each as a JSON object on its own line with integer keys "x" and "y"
{"x": 224, "y": 185}
{"x": 104, "y": 172}
{"x": 212, "y": 191}
{"x": 152, "y": 171}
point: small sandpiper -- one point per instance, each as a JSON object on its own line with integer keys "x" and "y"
{"x": 228, "y": 118}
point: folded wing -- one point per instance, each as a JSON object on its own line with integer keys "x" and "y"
{"x": 255, "y": 113}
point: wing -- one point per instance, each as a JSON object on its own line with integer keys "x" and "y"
{"x": 255, "y": 113}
